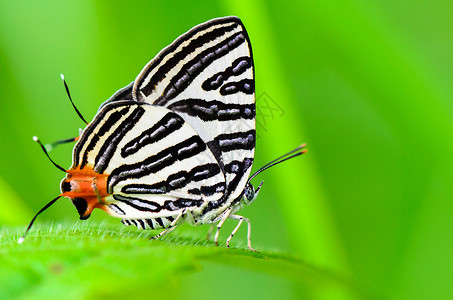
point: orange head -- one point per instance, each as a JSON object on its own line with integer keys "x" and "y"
{"x": 86, "y": 189}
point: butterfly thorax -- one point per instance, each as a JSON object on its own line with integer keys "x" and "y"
{"x": 86, "y": 189}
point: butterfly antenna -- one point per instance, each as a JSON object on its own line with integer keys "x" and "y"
{"x": 72, "y": 102}
{"x": 22, "y": 238}
{"x": 35, "y": 138}
{"x": 51, "y": 146}
{"x": 293, "y": 153}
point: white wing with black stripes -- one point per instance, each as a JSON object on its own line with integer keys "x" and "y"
{"x": 206, "y": 76}
{"x": 156, "y": 163}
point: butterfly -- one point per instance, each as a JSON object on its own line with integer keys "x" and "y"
{"x": 177, "y": 144}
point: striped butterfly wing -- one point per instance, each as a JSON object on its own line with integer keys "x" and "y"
{"x": 206, "y": 76}
{"x": 155, "y": 163}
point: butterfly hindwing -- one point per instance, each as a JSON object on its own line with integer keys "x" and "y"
{"x": 155, "y": 161}
{"x": 207, "y": 77}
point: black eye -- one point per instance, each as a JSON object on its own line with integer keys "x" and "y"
{"x": 65, "y": 186}
{"x": 249, "y": 193}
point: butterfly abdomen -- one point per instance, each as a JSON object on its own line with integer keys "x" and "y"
{"x": 155, "y": 223}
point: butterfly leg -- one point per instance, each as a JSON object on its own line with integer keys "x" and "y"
{"x": 211, "y": 229}
{"x": 249, "y": 228}
{"x": 171, "y": 227}
{"x": 224, "y": 217}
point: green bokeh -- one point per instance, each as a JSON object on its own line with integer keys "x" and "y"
{"x": 365, "y": 83}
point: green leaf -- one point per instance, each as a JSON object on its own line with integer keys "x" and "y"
{"x": 106, "y": 261}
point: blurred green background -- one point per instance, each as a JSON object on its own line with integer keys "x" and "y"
{"x": 367, "y": 84}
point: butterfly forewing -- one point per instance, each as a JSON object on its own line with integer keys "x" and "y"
{"x": 207, "y": 77}
{"x": 156, "y": 163}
